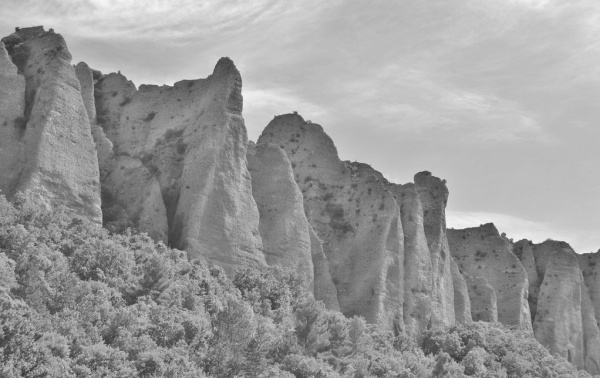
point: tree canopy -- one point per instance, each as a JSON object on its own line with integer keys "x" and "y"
{"x": 78, "y": 301}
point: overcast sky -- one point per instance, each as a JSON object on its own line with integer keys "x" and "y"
{"x": 499, "y": 97}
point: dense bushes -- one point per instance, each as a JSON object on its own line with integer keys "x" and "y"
{"x": 76, "y": 301}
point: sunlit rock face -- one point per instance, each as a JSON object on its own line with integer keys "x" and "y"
{"x": 565, "y": 317}
{"x": 175, "y": 162}
{"x": 46, "y": 144}
{"x": 355, "y": 216}
{"x": 190, "y": 144}
{"x": 418, "y": 273}
{"x": 488, "y": 258}
{"x": 433, "y": 194}
{"x": 324, "y": 289}
{"x": 589, "y": 263}
{"x": 12, "y": 122}
{"x": 522, "y": 249}
{"x": 283, "y": 226}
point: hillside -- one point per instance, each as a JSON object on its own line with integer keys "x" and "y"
{"x": 233, "y": 219}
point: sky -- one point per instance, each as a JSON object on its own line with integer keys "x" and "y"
{"x": 498, "y": 97}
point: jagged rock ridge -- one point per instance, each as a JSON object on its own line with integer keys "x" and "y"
{"x": 47, "y": 146}
{"x": 175, "y": 162}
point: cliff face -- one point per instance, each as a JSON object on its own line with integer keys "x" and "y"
{"x": 188, "y": 143}
{"x": 433, "y": 194}
{"x": 175, "y": 162}
{"x": 354, "y": 215}
{"x": 486, "y": 256}
{"x": 12, "y": 122}
{"x": 283, "y": 226}
{"x": 564, "y": 320}
{"x": 47, "y": 147}
{"x": 545, "y": 287}
{"x": 589, "y": 263}
{"x": 418, "y": 273}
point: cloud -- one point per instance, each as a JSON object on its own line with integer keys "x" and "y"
{"x": 582, "y": 241}
{"x": 420, "y": 102}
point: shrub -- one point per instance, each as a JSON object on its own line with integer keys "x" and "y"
{"x": 150, "y": 116}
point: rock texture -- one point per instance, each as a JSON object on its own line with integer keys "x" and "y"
{"x": 563, "y": 322}
{"x": 462, "y": 300}
{"x": 434, "y": 198}
{"x": 418, "y": 271}
{"x": 175, "y": 162}
{"x": 12, "y": 122}
{"x": 283, "y": 226}
{"x": 522, "y": 249}
{"x": 589, "y": 263}
{"x": 484, "y": 302}
{"x": 104, "y": 147}
{"x": 354, "y": 215}
{"x": 486, "y": 256}
{"x": 53, "y": 154}
{"x": 191, "y": 139}
{"x": 324, "y": 289}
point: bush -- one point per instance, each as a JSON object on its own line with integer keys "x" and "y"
{"x": 150, "y": 116}
{"x": 76, "y": 301}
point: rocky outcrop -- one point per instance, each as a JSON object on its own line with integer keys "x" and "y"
{"x": 562, "y": 322}
{"x": 462, "y": 300}
{"x": 191, "y": 139}
{"x": 86, "y": 83}
{"x": 591, "y": 333}
{"x": 53, "y": 154}
{"x": 324, "y": 289}
{"x": 433, "y": 194}
{"x": 418, "y": 274}
{"x": 483, "y": 254}
{"x": 522, "y": 249}
{"x": 137, "y": 192}
{"x": 484, "y": 302}
{"x": 589, "y": 263}
{"x": 354, "y": 215}
{"x": 12, "y": 122}
{"x": 590, "y": 308}
{"x": 175, "y": 162}
{"x": 283, "y": 226}
{"x": 104, "y": 147}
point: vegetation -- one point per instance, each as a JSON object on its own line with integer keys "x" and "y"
{"x": 150, "y": 116}
{"x": 77, "y": 301}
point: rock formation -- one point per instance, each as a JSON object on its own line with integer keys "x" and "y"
{"x": 522, "y": 249}
{"x": 175, "y": 162}
{"x": 12, "y": 122}
{"x": 462, "y": 301}
{"x": 324, "y": 289}
{"x": 564, "y": 316}
{"x": 190, "y": 142}
{"x": 46, "y": 135}
{"x": 418, "y": 274}
{"x": 283, "y": 226}
{"x": 484, "y": 302}
{"x": 354, "y": 215}
{"x": 488, "y": 258}
{"x": 433, "y": 194}
{"x": 589, "y": 263}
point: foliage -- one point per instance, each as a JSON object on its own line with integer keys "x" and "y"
{"x": 77, "y": 301}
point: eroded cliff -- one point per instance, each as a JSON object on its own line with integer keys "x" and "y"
{"x": 488, "y": 258}
{"x": 175, "y": 162}
{"x": 354, "y": 215}
{"x": 46, "y": 139}
{"x": 186, "y": 145}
